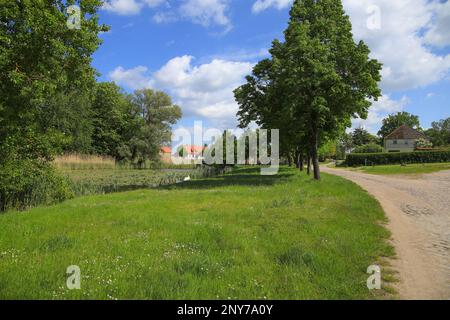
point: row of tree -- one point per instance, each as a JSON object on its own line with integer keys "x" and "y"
{"x": 313, "y": 84}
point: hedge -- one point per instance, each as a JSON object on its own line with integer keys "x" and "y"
{"x": 369, "y": 159}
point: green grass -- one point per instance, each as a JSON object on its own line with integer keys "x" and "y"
{"x": 237, "y": 236}
{"x": 415, "y": 168}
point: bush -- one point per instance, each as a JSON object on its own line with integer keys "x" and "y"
{"x": 397, "y": 158}
{"x": 369, "y": 148}
{"x": 26, "y": 183}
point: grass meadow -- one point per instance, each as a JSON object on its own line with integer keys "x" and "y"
{"x": 236, "y": 236}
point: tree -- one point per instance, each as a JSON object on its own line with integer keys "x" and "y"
{"x": 40, "y": 57}
{"x": 319, "y": 79}
{"x": 70, "y": 114}
{"x": 393, "y": 121}
{"x": 159, "y": 113}
{"x": 344, "y": 145}
{"x": 361, "y": 136}
{"x": 111, "y": 119}
{"x": 439, "y": 133}
{"x": 43, "y": 63}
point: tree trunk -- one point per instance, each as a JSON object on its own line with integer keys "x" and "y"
{"x": 308, "y": 166}
{"x": 314, "y": 154}
{"x": 297, "y": 164}
{"x": 289, "y": 158}
{"x": 300, "y": 160}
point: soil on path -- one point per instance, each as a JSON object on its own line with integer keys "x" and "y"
{"x": 418, "y": 209}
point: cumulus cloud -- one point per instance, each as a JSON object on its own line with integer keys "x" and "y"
{"x": 398, "y": 43}
{"x": 204, "y": 91}
{"x": 394, "y": 32}
{"x": 261, "y": 5}
{"x": 379, "y": 110}
{"x": 134, "y": 78}
{"x": 123, "y": 7}
{"x": 206, "y": 12}
{"x": 439, "y": 35}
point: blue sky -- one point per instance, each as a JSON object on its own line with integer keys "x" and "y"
{"x": 198, "y": 51}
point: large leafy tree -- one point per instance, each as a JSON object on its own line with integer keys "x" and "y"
{"x": 393, "y": 121}
{"x": 319, "y": 77}
{"x": 148, "y": 126}
{"x": 439, "y": 133}
{"x": 40, "y": 57}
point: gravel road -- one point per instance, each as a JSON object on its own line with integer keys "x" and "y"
{"x": 418, "y": 209}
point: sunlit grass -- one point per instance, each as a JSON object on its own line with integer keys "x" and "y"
{"x": 238, "y": 236}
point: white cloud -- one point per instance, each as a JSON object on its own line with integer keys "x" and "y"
{"x": 204, "y": 91}
{"x": 134, "y": 78}
{"x": 164, "y": 17}
{"x": 408, "y": 62}
{"x": 439, "y": 34}
{"x": 261, "y": 5}
{"x": 400, "y": 42}
{"x": 154, "y": 3}
{"x": 379, "y": 110}
{"x": 130, "y": 7}
{"x": 123, "y": 7}
{"x": 206, "y": 12}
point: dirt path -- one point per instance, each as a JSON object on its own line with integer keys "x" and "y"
{"x": 418, "y": 209}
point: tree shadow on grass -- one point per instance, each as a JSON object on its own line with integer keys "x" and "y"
{"x": 239, "y": 177}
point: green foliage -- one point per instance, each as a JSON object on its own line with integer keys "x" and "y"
{"x": 147, "y": 126}
{"x": 362, "y": 137}
{"x": 40, "y": 56}
{"x": 328, "y": 151}
{"x": 368, "y": 148}
{"x": 70, "y": 114}
{"x": 315, "y": 81}
{"x": 394, "y": 121}
{"x": 28, "y": 182}
{"x": 43, "y": 64}
{"x": 439, "y": 133}
{"x": 26, "y": 176}
{"x": 111, "y": 116}
{"x": 397, "y": 158}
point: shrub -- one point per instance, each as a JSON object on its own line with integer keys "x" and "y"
{"x": 369, "y": 148}
{"x": 397, "y": 158}
{"x": 27, "y": 182}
